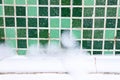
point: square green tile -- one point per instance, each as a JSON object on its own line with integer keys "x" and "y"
{"x": 43, "y": 11}
{"x": 117, "y": 45}
{"x": 108, "y": 52}
{"x": 10, "y": 32}
{"x": 88, "y": 12}
{"x": 88, "y": 2}
{"x": 9, "y": 22}
{"x": 54, "y": 22}
{"x": 54, "y": 33}
{"x": 21, "y": 22}
{"x": 65, "y": 12}
{"x": 77, "y": 34}
{"x": 88, "y": 23}
{"x": 54, "y": 42}
{"x": 32, "y": 22}
{"x": 109, "y": 45}
{"x": 9, "y": 10}
{"x": 43, "y": 22}
{"x": 20, "y": 2}
{"x": 109, "y": 34}
{"x": 11, "y": 43}
{"x": 86, "y": 44}
{"x": 32, "y": 42}
{"x": 112, "y": 2}
{"x": 43, "y": 42}
{"x": 87, "y": 34}
{"x": 99, "y": 23}
{"x": 1, "y": 11}
{"x": 65, "y": 23}
{"x": 8, "y": 1}
{"x": 32, "y": 11}
{"x": 76, "y": 23}
{"x": 110, "y": 23}
{"x": 77, "y": 2}
{"x": 20, "y": 11}
{"x": 118, "y": 34}
{"x": 1, "y": 33}
{"x": 118, "y": 12}
{"x": 77, "y": 12}
{"x": 65, "y": 2}
{"x": 21, "y": 52}
{"x": 54, "y": 2}
{"x": 117, "y": 52}
{"x": 43, "y": 33}
{"x": 2, "y": 41}
{"x": 21, "y": 43}
{"x": 100, "y": 2}
{"x": 1, "y": 21}
{"x": 97, "y": 44}
{"x": 43, "y": 2}
{"x": 31, "y": 2}
{"x": 98, "y": 34}
{"x": 118, "y": 23}
{"x": 21, "y": 33}
{"x": 99, "y": 12}
{"x": 97, "y": 52}
{"x": 111, "y": 12}
{"x": 0, "y": 1}
{"x": 32, "y": 33}
{"x": 54, "y": 11}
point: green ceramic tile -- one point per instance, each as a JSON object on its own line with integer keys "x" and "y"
{"x": 99, "y": 23}
{"x": 97, "y": 52}
{"x": 32, "y": 33}
{"x": 117, "y": 45}
{"x": 112, "y": 2}
{"x": 110, "y": 23}
{"x": 88, "y": 12}
{"x": 118, "y": 34}
{"x": 100, "y": 2}
{"x": 54, "y": 11}
{"x": 119, "y": 12}
{"x": 32, "y": 11}
{"x": 98, "y": 34}
{"x": 54, "y": 42}
{"x": 86, "y": 44}
{"x": 20, "y": 2}
{"x": 108, "y": 52}
{"x": 2, "y": 41}
{"x": 65, "y": 23}
{"x": 1, "y": 10}
{"x": 10, "y": 32}
{"x": 0, "y": 1}
{"x": 109, "y": 45}
{"x": 97, "y": 44}
{"x": 43, "y": 11}
{"x": 43, "y": 2}
{"x": 54, "y": 33}
{"x": 117, "y": 52}
{"x": 88, "y": 2}
{"x": 1, "y": 21}
{"x": 65, "y": 2}
{"x": 111, "y": 12}
{"x": 20, "y": 11}
{"x": 54, "y": 22}
{"x": 32, "y": 22}
{"x": 31, "y": 2}
{"x": 54, "y": 2}
{"x": 21, "y": 43}
{"x": 76, "y": 23}
{"x": 43, "y": 22}
{"x": 76, "y": 33}
{"x": 21, "y": 22}
{"x": 109, "y": 34}
{"x": 77, "y": 2}
{"x": 99, "y": 12}
{"x": 1, "y": 33}
{"x": 44, "y": 42}
{"x": 87, "y": 34}
{"x": 32, "y": 42}
{"x": 87, "y": 23}
{"x": 9, "y": 22}
{"x": 43, "y": 33}
{"x": 8, "y": 1}
{"x": 118, "y": 23}
{"x": 21, "y": 33}
{"x": 77, "y": 12}
{"x": 21, "y": 52}
{"x": 11, "y": 43}
{"x": 65, "y": 12}
{"x": 9, "y": 10}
